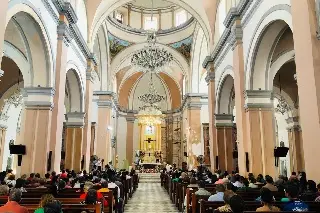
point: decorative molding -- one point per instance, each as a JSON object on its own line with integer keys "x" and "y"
{"x": 258, "y": 94}
{"x": 236, "y": 35}
{"x": 224, "y": 120}
{"x": 210, "y": 77}
{"x": 207, "y": 63}
{"x": 47, "y": 91}
{"x": 258, "y": 99}
{"x": 104, "y": 103}
{"x": 130, "y": 119}
{"x": 51, "y": 11}
{"x": 75, "y": 119}
{"x": 38, "y": 105}
{"x": 92, "y": 76}
{"x": 64, "y": 33}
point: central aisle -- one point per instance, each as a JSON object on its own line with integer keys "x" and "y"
{"x": 150, "y": 197}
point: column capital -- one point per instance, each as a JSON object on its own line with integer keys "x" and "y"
{"x": 75, "y": 119}
{"x": 210, "y": 77}
{"x": 224, "y": 120}
{"x": 258, "y": 99}
{"x": 92, "y": 76}
{"x": 130, "y": 118}
{"x": 105, "y": 99}
{"x": 208, "y": 63}
{"x": 293, "y": 123}
{"x": 236, "y": 34}
{"x": 3, "y": 121}
{"x": 63, "y": 32}
{"x": 38, "y": 98}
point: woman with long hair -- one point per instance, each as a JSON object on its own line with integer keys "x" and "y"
{"x": 267, "y": 201}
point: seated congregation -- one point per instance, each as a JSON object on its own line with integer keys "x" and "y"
{"x": 202, "y": 191}
{"x": 69, "y": 192}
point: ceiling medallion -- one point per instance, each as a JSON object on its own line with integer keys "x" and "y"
{"x": 282, "y": 106}
{"x": 151, "y": 58}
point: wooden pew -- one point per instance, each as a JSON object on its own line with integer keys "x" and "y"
{"x": 195, "y": 202}
{"x": 70, "y": 208}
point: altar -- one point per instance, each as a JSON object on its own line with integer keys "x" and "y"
{"x": 150, "y": 165}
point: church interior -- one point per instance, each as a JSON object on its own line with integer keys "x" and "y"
{"x": 149, "y": 85}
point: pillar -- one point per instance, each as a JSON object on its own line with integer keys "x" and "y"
{"x": 74, "y": 141}
{"x": 90, "y": 78}
{"x": 295, "y": 144}
{"x": 64, "y": 40}
{"x": 194, "y": 125}
{"x": 239, "y": 87}
{"x": 104, "y": 103}
{"x": 3, "y": 17}
{"x": 307, "y": 51}
{"x": 130, "y": 123}
{"x": 36, "y": 129}
{"x": 3, "y": 131}
{"x": 210, "y": 79}
{"x": 93, "y": 139}
{"x": 260, "y": 132}
{"x": 160, "y": 19}
{"x": 129, "y": 15}
{"x": 141, "y": 20}
{"x": 169, "y": 139}
{"x": 224, "y": 125}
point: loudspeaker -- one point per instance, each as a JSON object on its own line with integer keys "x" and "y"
{"x": 17, "y": 149}
{"x": 185, "y": 154}
{"x": 217, "y": 162}
{"x": 235, "y": 154}
{"x": 247, "y": 161}
{"x": 19, "y": 160}
{"x": 49, "y": 161}
{"x": 281, "y": 152}
{"x": 63, "y": 155}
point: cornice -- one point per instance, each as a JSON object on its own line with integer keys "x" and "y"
{"x": 207, "y": 61}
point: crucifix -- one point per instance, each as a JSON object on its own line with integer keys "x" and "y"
{"x": 149, "y": 141}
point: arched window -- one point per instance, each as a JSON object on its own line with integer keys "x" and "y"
{"x": 150, "y": 24}
{"x": 222, "y": 13}
{"x": 181, "y": 17}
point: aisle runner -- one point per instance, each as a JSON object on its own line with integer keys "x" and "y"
{"x": 150, "y": 198}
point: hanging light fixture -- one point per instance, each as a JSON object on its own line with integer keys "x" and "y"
{"x": 152, "y": 96}
{"x": 151, "y": 58}
{"x": 282, "y": 106}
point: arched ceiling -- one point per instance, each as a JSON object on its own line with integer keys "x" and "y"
{"x": 148, "y": 4}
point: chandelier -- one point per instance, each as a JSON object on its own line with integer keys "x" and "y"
{"x": 150, "y": 116}
{"x": 282, "y": 106}
{"x": 152, "y": 96}
{"x": 16, "y": 99}
{"x": 151, "y": 58}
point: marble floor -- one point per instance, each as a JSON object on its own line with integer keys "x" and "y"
{"x": 150, "y": 197}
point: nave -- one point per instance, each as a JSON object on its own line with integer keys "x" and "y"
{"x": 150, "y": 197}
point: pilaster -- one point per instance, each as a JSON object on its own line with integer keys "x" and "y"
{"x": 103, "y": 147}
{"x": 63, "y": 42}
{"x": 307, "y": 51}
{"x": 3, "y": 131}
{"x": 295, "y": 144}
{"x": 36, "y": 129}
{"x": 260, "y": 132}
{"x": 130, "y": 125}
{"x": 224, "y": 125}
{"x": 74, "y": 140}
{"x": 210, "y": 79}
{"x": 3, "y": 17}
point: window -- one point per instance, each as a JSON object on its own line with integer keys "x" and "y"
{"x": 150, "y": 24}
{"x": 119, "y": 17}
{"x": 181, "y": 17}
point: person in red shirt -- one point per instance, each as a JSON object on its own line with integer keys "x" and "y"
{"x": 93, "y": 197}
{"x": 13, "y": 204}
{"x": 63, "y": 174}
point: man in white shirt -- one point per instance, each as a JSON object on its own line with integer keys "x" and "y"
{"x": 238, "y": 183}
{"x": 218, "y": 197}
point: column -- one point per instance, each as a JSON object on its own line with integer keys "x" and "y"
{"x": 172, "y": 17}
{"x": 3, "y": 131}
{"x": 104, "y": 103}
{"x": 307, "y": 51}
{"x": 74, "y": 140}
{"x": 295, "y": 144}
{"x": 142, "y": 25}
{"x": 224, "y": 125}
{"x": 60, "y": 83}
{"x": 93, "y": 139}
{"x": 239, "y": 87}
{"x": 160, "y": 19}
{"x": 169, "y": 138}
{"x": 130, "y": 123}
{"x": 210, "y": 79}
{"x": 194, "y": 122}
{"x": 90, "y": 78}
{"x": 261, "y": 132}
{"x": 36, "y": 129}
{"x": 3, "y": 17}
{"x": 129, "y": 15}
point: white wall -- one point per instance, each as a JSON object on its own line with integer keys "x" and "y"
{"x": 121, "y": 140}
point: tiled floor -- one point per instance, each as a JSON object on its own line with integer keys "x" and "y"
{"x": 150, "y": 198}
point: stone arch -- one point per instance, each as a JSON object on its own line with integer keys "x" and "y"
{"x": 266, "y": 35}
{"x": 225, "y": 92}
{"x": 36, "y": 42}
{"x": 75, "y": 87}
